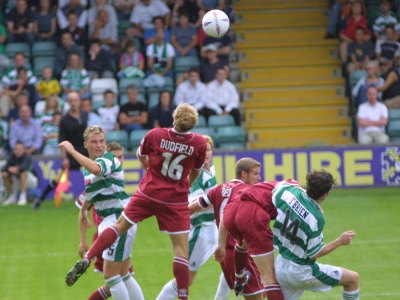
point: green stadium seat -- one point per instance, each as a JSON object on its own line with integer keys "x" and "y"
{"x": 12, "y": 48}
{"x": 231, "y": 134}
{"x": 169, "y": 86}
{"x": 202, "y": 122}
{"x": 205, "y": 131}
{"x": 185, "y": 63}
{"x": 154, "y": 99}
{"x": 124, "y": 98}
{"x": 394, "y": 128}
{"x": 220, "y": 120}
{"x": 136, "y": 137}
{"x": 119, "y": 136}
{"x": 44, "y": 48}
{"x": 355, "y": 76}
{"x": 41, "y": 62}
{"x": 125, "y": 82}
{"x": 231, "y": 146}
{"x": 394, "y": 114}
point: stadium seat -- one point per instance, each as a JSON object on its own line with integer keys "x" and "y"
{"x": 231, "y": 146}
{"x": 124, "y": 98}
{"x": 394, "y": 114}
{"x": 97, "y": 101}
{"x": 12, "y": 48}
{"x": 355, "y": 76}
{"x": 100, "y": 85}
{"x": 185, "y": 63}
{"x": 136, "y": 137}
{"x": 205, "y": 131}
{"x": 230, "y": 134}
{"x": 154, "y": 99}
{"x": 41, "y": 62}
{"x": 220, "y": 120}
{"x": 169, "y": 86}
{"x": 394, "y": 128}
{"x": 125, "y": 82}
{"x": 44, "y": 49}
{"x": 119, "y": 136}
{"x": 202, "y": 122}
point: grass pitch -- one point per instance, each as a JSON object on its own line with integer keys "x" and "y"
{"x": 38, "y": 247}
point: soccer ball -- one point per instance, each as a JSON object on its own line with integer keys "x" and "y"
{"x": 215, "y": 23}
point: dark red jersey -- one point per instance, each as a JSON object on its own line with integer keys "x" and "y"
{"x": 172, "y": 156}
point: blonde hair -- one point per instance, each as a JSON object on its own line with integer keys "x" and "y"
{"x": 245, "y": 164}
{"x": 209, "y": 140}
{"x": 92, "y": 129}
{"x": 185, "y": 117}
{"x": 114, "y": 146}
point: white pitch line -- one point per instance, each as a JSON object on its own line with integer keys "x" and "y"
{"x": 370, "y": 295}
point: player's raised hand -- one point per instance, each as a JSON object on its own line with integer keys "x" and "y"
{"x": 346, "y": 237}
{"x": 67, "y": 146}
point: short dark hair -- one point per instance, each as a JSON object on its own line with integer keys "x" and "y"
{"x": 108, "y": 92}
{"x": 195, "y": 70}
{"x": 158, "y": 17}
{"x": 319, "y": 183}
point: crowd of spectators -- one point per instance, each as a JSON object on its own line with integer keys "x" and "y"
{"x": 370, "y": 54}
{"x": 91, "y": 45}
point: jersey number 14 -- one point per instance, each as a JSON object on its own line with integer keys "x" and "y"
{"x": 289, "y": 229}
{"x": 171, "y": 167}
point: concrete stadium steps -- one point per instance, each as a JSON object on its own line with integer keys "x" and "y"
{"x": 299, "y": 137}
{"x": 278, "y": 4}
{"x": 295, "y": 102}
{"x": 286, "y": 117}
{"x": 264, "y": 43}
{"x": 297, "y": 94}
{"x": 282, "y": 34}
{"x": 279, "y": 19}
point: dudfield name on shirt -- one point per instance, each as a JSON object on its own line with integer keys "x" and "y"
{"x": 176, "y": 147}
{"x": 350, "y": 166}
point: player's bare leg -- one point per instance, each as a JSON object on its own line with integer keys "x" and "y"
{"x": 265, "y": 265}
{"x": 180, "y": 244}
{"x": 114, "y": 280}
{"x": 351, "y": 284}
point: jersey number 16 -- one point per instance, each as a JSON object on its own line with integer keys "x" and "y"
{"x": 171, "y": 167}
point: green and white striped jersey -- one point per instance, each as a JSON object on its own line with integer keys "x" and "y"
{"x": 299, "y": 224}
{"x": 200, "y": 188}
{"x": 106, "y": 191}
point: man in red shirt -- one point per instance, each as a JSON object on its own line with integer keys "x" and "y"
{"x": 247, "y": 220}
{"x": 172, "y": 159}
{"x": 247, "y": 172}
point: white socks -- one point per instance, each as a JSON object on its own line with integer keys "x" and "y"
{"x": 169, "y": 291}
{"x": 223, "y": 288}
{"x": 117, "y": 288}
{"x": 133, "y": 287}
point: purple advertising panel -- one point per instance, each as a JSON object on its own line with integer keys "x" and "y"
{"x": 351, "y": 166}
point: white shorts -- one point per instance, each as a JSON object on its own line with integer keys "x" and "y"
{"x": 122, "y": 247}
{"x": 203, "y": 241}
{"x": 294, "y": 279}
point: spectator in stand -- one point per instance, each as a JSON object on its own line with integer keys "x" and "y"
{"x": 99, "y": 61}
{"x": 161, "y": 115}
{"x": 357, "y": 19}
{"x": 372, "y": 118}
{"x": 124, "y": 8}
{"x": 184, "y": 37}
{"x": 20, "y": 101}
{"x": 26, "y": 130}
{"x": 391, "y": 88}
{"x": 160, "y": 56}
{"x": 48, "y": 85}
{"x": 223, "y": 46}
{"x": 93, "y": 117}
{"x": 133, "y": 115}
{"x": 109, "y": 112}
{"x": 68, "y": 47}
{"x": 102, "y": 5}
{"x": 3, "y": 136}
{"x": 210, "y": 64}
{"x": 360, "y": 51}
{"x": 78, "y": 34}
{"x": 21, "y": 85}
{"x": 149, "y": 34}
{"x": 19, "y": 166}
{"x": 75, "y": 6}
{"x": 11, "y": 76}
{"x": 359, "y": 91}
{"x": 20, "y": 23}
{"x": 144, "y": 12}
{"x": 191, "y": 91}
{"x": 75, "y": 78}
{"x": 212, "y": 4}
{"x": 103, "y": 30}
{"x": 50, "y": 136}
{"x": 385, "y": 18}
{"x": 222, "y": 97}
{"x": 190, "y": 6}
{"x": 4, "y": 61}
{"x": 45, "y": 22}
{"x": 388, "y": 47}
{"x": 52, "y": 107}
{"x": 131, "y": 62}
{"x": 334, "y": 17}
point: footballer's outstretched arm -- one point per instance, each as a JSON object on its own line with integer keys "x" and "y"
{"x": 89, "y": 164}
{"x": 344, "y": 239}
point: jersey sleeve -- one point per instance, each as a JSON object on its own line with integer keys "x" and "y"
{"x": 107, "y": 165}
{"x": 212, "y": 195}
{"x": 145, "y": 144}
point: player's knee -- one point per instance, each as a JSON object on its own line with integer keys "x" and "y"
{"x": 351, "y": 279}
{"x": 355, "y": 278}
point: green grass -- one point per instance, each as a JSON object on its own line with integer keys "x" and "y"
{"x": 38, "y": 247}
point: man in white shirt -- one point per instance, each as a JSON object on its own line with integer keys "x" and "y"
{"x": 191, "y": 91}
{"x": 372, "y": 117}
{"x": 160, "y": 56}
{"x": 144, "y": 12}
{"x": 222, "y": 97}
